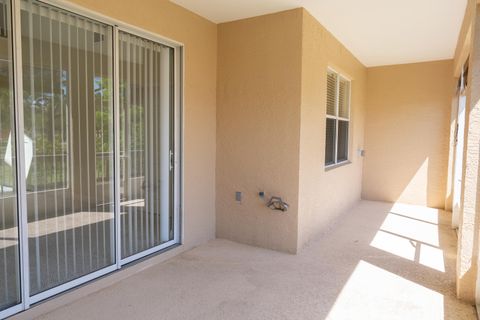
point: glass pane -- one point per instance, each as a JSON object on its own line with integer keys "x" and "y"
{"x": 145, "y": 139}
{"x": 330, "y": 142}
{"x": 344, "y": 99}
{"x": 331, "y": 93}
{"x": 9, "y": 243}
{"x": 342, "y": 153}
{"x": 68, "y": 121}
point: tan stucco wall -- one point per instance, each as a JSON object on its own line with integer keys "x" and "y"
{"x": 200, "y": 39}
{"x": 407, "y": 133}
{"x": 469, "y": 224}
{"x": 271, "y": 129}
{"x": 258, "y": 128}
{"x": 323, "y": 195}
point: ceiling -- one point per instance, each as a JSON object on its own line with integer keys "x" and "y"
{"x": 377, "y": 32}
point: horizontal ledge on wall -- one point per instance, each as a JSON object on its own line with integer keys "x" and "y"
{"x": 337, "y": 165}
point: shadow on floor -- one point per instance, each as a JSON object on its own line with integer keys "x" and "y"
{"x": 378, "y": 261}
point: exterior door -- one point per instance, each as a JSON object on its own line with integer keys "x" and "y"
{"x": 146, "y": 144}
{"x": 90, "y": 135}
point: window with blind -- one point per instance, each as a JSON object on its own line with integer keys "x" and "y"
{"x": 338, "y": 119}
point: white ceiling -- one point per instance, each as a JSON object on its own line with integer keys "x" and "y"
{"x": 377, "y": 32}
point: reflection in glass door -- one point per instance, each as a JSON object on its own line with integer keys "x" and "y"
{"x": 146, "y": 150}
{"x": 68, "y": 129}
{"x": 9, "y": 233}
{"x": 72, "y": 206}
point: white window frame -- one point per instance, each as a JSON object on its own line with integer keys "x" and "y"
{"x": 337, "y": 118}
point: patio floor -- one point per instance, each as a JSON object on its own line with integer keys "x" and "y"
{"x": 377, "y": 261}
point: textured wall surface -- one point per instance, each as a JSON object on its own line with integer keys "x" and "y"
{"x": 200, "y": 39}
{"x": 407, "y": 133}
{"x": 469, "y": 224}
{"x": 325, "y": 194}
{"x": 258, "y": 128}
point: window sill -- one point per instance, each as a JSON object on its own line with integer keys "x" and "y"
{"x": 337, "y": 165}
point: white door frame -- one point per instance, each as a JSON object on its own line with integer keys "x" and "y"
{"x": 458, "y": 154}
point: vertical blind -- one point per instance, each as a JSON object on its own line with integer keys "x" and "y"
{"x": 145, "y": 143}
{"x": 68, "y": 128}
{"x": 9, "y": 244}
{"x": 66, "y": 120}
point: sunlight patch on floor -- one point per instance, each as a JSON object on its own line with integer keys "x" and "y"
{"x": 424, "y": 232}
{"x": 411, "y": 232}
{"x": 432, "y": 257}
{"x": 411, "y": 250}
{"x": 417, "y": 212}
{"x": 396, "y": 245}
{"x": 374, "y": 293}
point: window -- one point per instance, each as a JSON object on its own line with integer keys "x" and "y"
{"x": 338, "y": 119}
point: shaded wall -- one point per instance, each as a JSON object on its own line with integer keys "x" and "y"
{"x": 258, "y": 128}
{"x": 200, "y": 39}
{"x": 407, "y": 133}
{"x": 324, "y": 195}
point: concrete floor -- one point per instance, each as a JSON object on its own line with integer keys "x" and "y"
{"x": 378, "y": 261}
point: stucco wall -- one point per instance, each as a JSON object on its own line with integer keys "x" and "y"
{"x": 407, "y": 133}
{"x": 469, "y": 220}
{"x": 258, "y": 128}
{"x": 323, "y": 195}
{"x": 200, "y": 39}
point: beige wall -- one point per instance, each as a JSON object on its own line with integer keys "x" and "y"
{"x": 469, "y": 220}
{"x": 271, "y": 129}
{"x": 407, "y": 133}
{"x": 200, "y": 39}
{"x": 258, "y": 128}
{"x": 324, "y": 195}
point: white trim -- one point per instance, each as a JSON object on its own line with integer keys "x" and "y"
{"x": 340, "y": 74}
{"x": 71, "y": 284}
{"x": 116, "y": 151}
{"x": 338, "y": 164}
{"x": 147, "y": 252}
{"x": 337, "y": 103}
{"x": 11, "y": 311}
{"x": 337, "y": 118}
{"x": 21, "y": 170}
{"x": 178, "y": 141}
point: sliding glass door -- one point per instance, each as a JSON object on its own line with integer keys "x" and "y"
{"x": 92, "y": 182}
{"x": 10, "y": 293}
{"x": 146, "y": 144}
{"x": 68, "y": 123}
